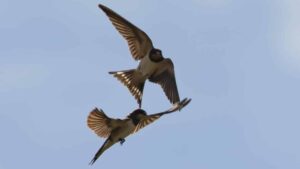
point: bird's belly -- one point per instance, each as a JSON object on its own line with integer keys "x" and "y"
{"x": 125, "y": 130}
{"x": 147, "y": 67}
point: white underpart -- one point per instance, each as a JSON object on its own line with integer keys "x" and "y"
{"x": 147, "y": 67}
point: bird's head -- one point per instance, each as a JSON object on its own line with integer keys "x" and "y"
{"x": 156, "y": 55}
{"x": 137, "y": 115}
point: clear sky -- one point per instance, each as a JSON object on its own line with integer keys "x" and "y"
{"x": 238, "y": 60}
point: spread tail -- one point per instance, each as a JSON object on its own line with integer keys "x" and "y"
{"x": 133, "y": 80}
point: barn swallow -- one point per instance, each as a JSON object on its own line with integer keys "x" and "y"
{"x": 152, "y": 66}
{"x": 116, "y": 130}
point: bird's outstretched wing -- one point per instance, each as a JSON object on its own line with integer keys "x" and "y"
{"x": 100, "y": 123}
{"x": 138, "y": 41}
{"x": 166, "y": 79}
{"x": 147, "y": 119}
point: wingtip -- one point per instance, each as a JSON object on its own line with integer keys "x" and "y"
{"x": 184, "y": 102}
{"x": 187, "y": 101}
{"x": 95, "y": 109}
{"x": 101, "y": 6}
{"x": 104, "y": 8}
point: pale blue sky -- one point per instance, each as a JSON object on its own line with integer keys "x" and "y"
{"x": 238, "y": 60}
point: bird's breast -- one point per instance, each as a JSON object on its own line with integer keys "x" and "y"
{"x": 147, "y": 67}
{"x": 126, "y": 129}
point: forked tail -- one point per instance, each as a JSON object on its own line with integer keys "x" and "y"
{"x": 104, "y": 147}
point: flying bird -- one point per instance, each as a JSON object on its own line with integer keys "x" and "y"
{"x": 116, "y": 130}
{"x": 152, "y": 66}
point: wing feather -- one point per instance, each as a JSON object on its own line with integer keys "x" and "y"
{"x": 99, "y": 123}
{"x": 166, "y": 79}
{"x": 148, "y": 119}
{"x": 138, "y": 41}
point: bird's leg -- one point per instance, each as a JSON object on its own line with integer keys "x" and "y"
{"x": 121, "y": 141}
